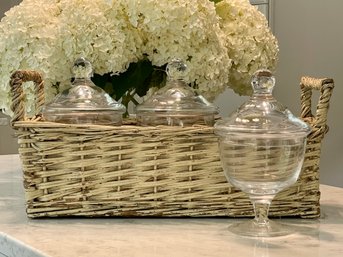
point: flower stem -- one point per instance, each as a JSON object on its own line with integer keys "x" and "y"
{"x": 128, "y": 97}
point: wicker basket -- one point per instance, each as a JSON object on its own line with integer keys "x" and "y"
{"x": 93, "y": 170}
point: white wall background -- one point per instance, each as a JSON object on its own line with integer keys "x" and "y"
{"x": 310, "y": 36}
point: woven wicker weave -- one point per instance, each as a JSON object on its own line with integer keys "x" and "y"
{"x": 92, "y": 170}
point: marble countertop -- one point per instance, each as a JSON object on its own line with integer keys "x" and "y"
{"x": 23, "y": 237}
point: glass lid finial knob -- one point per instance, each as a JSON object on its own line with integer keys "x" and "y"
{"x": 263, "y": 82}
{"x": 176, "y": 69}
{"x": 82, "y": 68}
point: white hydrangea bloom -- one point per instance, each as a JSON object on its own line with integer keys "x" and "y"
{"x": 28, "y": 42}
{"x": 188, "y": 30}
{"x": 48, "y": 36}
{"x": 249, "y": 41}
{"x": 221, "y": 46}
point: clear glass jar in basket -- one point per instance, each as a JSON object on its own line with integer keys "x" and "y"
{"x": 84, "y": 102}
{"x": 176, "y": 104}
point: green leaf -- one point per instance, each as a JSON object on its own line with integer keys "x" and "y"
{"x": 140, "y": 77}
{"x": 137, "y": 77}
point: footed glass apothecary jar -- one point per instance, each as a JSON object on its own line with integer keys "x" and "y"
{"x": 84, "y": 102}
{"x": 176, "y": 104}
{"x": 262, "y": 148}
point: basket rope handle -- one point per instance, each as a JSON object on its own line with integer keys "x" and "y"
{"x": 325, "y": 86}
{"x": 17, "y": 79}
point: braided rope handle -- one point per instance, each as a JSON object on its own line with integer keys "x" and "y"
{"x": 325, "y": 86}
{"x": 17, "y": 79}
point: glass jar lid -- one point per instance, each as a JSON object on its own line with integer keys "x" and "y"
{"x": 83, "y": 102}
{"x": 262, "y": 113}
{"x": 176, "y": 100}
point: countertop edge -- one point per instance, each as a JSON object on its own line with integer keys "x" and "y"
{"x": 12, "y": 247}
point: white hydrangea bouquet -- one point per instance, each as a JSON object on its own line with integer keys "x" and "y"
{"x": 129, "y": 42}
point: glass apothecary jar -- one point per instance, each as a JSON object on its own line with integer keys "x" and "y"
{"x": 176, "y": 104}
{"x": 262, "y": 147}
{"x": 84, "y": 102}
